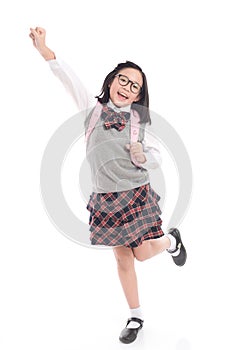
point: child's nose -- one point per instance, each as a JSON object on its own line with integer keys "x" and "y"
{"x": 127, "y": 87}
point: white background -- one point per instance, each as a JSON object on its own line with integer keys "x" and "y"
{"x": 56, "y": 294}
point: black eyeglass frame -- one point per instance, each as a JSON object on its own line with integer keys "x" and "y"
{"x": 129, "y": 81}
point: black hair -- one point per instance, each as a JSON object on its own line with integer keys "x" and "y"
{"x": 142, "y": 105}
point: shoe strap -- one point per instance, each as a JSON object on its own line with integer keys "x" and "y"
{"x": 178, "y": 246}
{"x": 135, "y": 319}
{"x": 177, "y": 251}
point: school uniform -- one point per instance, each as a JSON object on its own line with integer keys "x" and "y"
{"x": 123, "y": 207}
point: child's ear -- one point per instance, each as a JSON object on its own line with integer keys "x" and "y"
{"x": 137, "y": 98}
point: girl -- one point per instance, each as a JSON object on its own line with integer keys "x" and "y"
{"x": 124, "y": 210}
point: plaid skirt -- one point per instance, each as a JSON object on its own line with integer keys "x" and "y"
{"x": 124, "y": 218}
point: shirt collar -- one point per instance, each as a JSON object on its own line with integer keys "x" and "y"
{"x": 118, "y": 109}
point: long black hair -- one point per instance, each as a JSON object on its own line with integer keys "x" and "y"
{"x": 142, "y": 105}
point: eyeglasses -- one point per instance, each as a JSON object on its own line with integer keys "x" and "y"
{"x": 124, "y": 81}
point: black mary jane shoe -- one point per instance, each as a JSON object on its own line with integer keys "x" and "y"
{"x": 179, "y": 254}
{"x": 128, "y": 335}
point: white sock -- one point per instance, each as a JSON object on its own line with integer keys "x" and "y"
{"x": 173, "y": 242}
{"x": 135, "y": 313}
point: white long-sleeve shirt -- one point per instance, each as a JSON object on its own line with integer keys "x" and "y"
{"x": 84, "y": 101}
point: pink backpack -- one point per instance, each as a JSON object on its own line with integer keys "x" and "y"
{"x": 135, "y": 119}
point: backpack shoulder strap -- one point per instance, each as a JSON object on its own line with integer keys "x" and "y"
{"x": 135, "y": 129}
{"x": 135, "y": 126}
{"x": 93, "y": 119}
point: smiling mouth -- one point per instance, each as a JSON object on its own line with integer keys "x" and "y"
{"x": 122, "y": 96}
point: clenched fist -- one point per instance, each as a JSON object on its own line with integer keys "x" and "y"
{"x": 38, "y": 36}
{"x": 136, "y": 152}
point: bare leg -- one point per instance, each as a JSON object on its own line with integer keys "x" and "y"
{"x": 127, "y": 275}
{"x": 150, "y": 248}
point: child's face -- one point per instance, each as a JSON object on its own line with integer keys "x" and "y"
{"x": 123, "y": 96}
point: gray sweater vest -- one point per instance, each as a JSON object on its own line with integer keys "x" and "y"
{"x": 111, "y": 167}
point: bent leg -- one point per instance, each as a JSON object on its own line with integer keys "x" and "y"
{"x": 127, "y": 275}
{"x": 151, "y": 247}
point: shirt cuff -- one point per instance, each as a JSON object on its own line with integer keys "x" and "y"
{"x": 153, "y": 161}
{"x": 54, "y": 63}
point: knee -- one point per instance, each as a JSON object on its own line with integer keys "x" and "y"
{"x": 143, "y": 252}
{"x": 124, "y": 258}
{"x": 140, "y": 257}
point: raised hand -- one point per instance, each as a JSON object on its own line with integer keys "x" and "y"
{"x": 38, "y": 36}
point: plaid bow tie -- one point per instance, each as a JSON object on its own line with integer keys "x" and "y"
{"x": 113, "y": 119}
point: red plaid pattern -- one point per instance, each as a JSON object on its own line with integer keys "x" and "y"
{"x": 113, "y": 119}
{"x": 125, "y": 218}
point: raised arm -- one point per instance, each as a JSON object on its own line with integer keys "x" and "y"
{"x": 83, "y": 99}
